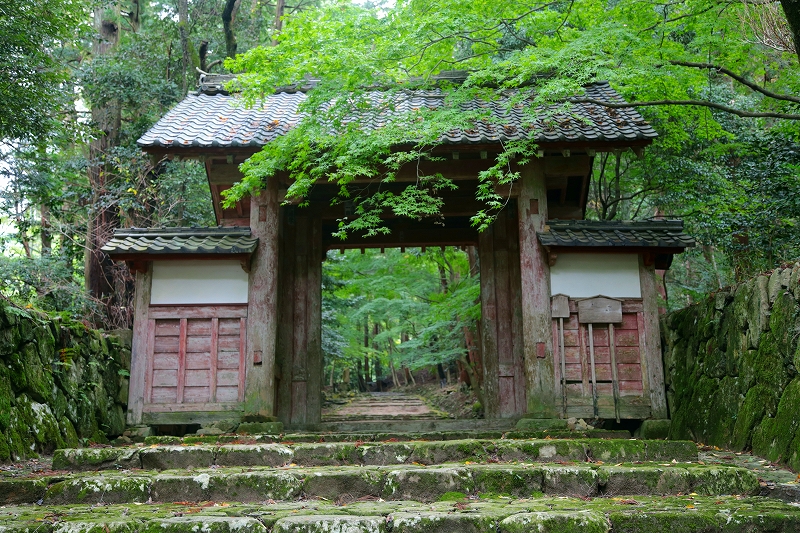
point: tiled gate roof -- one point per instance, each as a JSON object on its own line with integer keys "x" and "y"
{"x": 167, "y": 241}
{"x": 222, "y": 120}
{"x": 592, "y": 233}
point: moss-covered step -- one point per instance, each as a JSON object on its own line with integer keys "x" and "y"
{"x": 499, "y": 515}
{"x": 383, "y": 436}
{"x": 407, "y": 482}
{"x": 372, "y": 453}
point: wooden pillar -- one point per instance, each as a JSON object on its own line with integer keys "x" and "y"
{"x": 141, "y": 307}
{"x": 535, "y": 289}
{"x": 501, "y": 317}
{"x": 299, "y": 369}
{"x": 299, "y": 349}
{"x": 517, "y": 339}
{"x": 652, "y": 341}
{"x": 489, "y": 348}
{"x": 285, "y": 348}
{"x": 262, "y": 309}
{"x": 314, "y": 328}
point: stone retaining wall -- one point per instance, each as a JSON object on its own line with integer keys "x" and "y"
{"x": 731, "y": 368}
{"x": 61, "y": 384}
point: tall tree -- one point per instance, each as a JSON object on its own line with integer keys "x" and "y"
{"x": 33, "y": 38}
{"x": 107, "y": 120}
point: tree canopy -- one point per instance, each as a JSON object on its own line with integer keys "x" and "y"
{"x": 35, "y": 38}
{"x": 717, "y": 79}
{"x": 688, "y": 63}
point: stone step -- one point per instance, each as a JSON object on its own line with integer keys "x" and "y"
{"x": 409, "y": 425}
{"x": 544, "y": 515}
{"x": 381, "y": 417}
{"x": 163, "y": 457}
{"x": 384, "y": 436}
{"x": 406, "y": 482}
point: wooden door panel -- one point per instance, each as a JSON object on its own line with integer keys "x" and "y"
{"x": 195, "y": 358}
{"x": 625, "y": 352}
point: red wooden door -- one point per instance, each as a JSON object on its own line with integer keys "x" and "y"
{"x": 195, "y": 358}
{"x": 631, "y": 399}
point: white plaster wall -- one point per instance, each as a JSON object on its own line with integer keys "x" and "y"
{"x": 199, "y": 282}
{"x": 581, "y": 275}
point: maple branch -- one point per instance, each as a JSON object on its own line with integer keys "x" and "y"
{"x": 701, "y": 103}
{"x": 740, "y": 79}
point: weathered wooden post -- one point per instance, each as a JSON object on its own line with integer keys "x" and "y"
{"x": 535, "y": 280}
{"x": 139, "y": 352}
{"x": 262, "y": 316}
{"x": 652, "y": 340}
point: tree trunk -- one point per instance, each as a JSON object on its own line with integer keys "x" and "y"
{"x": 228, "y": 18}
{"x": 134, "y": 15}
{"x": 102, "y": 220}
{"x": 366, "y": 356}
{"x": 183, "y": 28}
{"x": 279, "y": 9}
{"x": 203, "y": 52}
{"x": 362, "y": 385}
{"x": 791, "y": 8}
{"x": 46, "y": 235}
{"x": 376, "y": 329}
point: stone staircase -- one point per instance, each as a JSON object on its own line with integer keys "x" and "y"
{"x": 498, "y": 482}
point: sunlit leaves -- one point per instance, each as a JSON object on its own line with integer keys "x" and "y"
{"x": 549, "y": 48}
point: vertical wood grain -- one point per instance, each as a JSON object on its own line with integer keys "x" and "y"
{"x": 535, "y": 285}
{"x": 314, "y": 328}
{"x": 643, "y": 354}
{"x": 517, "y": 339}
{"x": 300, "y": 322}
{"x": 584, "y": 359}
{"x": 262, "y": 312}
{"x": 652, "y": 334}
{"x": 139, "y": 347}
{"x": 214, "y": 363}
{"x": 242, "y": 356}
{"x": 285, "y": 351}
{"x": 491, "y": 385}
{"x": 182, "y": 359}
{"x": 150, "y": 359}
{"x": 614, "y": 377}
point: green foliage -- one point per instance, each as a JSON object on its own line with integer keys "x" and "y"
{"x": 413, "y": 305}
{"x": 33, "y": 38}
{"x": 724, "y": 174}
{"x": 546, "y": 51}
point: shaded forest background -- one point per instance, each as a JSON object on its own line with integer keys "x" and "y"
{"x": 81, "y": 81}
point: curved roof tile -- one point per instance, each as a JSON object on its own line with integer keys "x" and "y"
{"x": 221, "y": 120}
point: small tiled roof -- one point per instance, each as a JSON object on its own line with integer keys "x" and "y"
{"x": 590, "y": 233}
{"x": 222, "y": 120}
{"x": 162, "y": 241}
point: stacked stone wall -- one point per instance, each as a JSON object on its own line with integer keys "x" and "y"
{"x": 731, "y": 364}
{"x": 61, "y": 384}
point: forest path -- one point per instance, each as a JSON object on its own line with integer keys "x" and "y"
{"x": 382, "y": 406}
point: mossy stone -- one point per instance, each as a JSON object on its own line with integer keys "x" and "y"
{"x": 539, "y": 424}
{"x": 656, "y": 429}
{"x": 556, "y": 522}
{"x": 773, "y": 436}
{"x": 6, "y": 397}
{"x": 783, "y": 324}
{"x": 5, "y": 450}
{"x": 758, "y": 401}
{"x": 39, "y": 378}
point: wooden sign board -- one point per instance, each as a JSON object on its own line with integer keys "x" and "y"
{"x": 559, "y": 306}
{"x": 599, "y": 310}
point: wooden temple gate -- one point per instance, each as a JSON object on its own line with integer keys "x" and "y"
{"x": 254, "y": 350}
